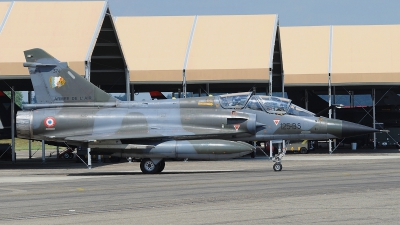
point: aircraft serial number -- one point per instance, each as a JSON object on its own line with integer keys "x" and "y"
{"x": 56, "y": 70}
{"x": 290, "y": 126}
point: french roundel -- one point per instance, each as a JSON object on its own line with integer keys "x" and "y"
{"x": 49, "y": 122}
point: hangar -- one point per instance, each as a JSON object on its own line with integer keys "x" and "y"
{"x": 198, "y": 54}
{"x": 202, "y": 53}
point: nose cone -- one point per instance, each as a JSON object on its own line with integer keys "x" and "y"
{"x": 353, "y": 129}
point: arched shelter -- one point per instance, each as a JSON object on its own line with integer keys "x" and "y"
{"x": 226, "y": 53}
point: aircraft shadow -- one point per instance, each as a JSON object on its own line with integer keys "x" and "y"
{"x": 140, "y": 173}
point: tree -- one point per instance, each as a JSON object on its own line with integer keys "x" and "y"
{"x": 18, "y": 97}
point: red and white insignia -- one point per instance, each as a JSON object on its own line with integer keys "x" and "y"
{"x": 276, "y": 121}
{"x": 49, "y": 122}
{"x": 236, "y": 126}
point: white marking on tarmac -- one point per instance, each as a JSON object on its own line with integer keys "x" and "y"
{"x": 353, "y": 157}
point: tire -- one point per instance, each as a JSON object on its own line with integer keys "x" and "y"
{"x": 277, "y": 167}
{"x": 148, "y": 167}
{"x": 66, "y": 155}
{"x": 71, "y": 155}
{"x": 160, "y": 166}
{"x": 303, "y": 150}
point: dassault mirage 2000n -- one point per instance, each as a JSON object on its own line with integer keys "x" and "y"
{"x": 72, "y": 110}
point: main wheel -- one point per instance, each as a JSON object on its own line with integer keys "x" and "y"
{"x": 303, "y": 150}
{"x": 160, "y": 166}
{"x": 66, "y": 155}
{"x": 148, "y": 167}
{"x": 277, "y": 167}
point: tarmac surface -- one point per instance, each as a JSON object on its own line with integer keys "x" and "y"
{"x": 349, "y": 187}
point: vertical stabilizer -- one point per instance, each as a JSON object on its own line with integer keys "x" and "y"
{"x": 54, "y": 82}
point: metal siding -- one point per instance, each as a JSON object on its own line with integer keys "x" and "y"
{"x": 231, "y": 48}
{"x": 64, "y": 29}
{"x": 305, "y": 55}
{"x": 366, "y": 55}
{"x": 154, "y": 47}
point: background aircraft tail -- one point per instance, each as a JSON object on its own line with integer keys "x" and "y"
{"x": 157, "y": 95}
{"x": 54, "y": 82}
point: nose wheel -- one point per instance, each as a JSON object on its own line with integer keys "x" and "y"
{"x": 277, "y": 167}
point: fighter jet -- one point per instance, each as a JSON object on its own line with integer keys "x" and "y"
{"x": 72, "y": 110}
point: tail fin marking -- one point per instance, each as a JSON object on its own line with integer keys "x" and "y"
{"x": 54, "y": 82}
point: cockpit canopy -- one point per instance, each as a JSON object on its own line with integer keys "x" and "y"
{"x": 269, "y": 104}
{"x": 234, "y": 101}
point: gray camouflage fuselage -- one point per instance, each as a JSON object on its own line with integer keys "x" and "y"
{"x": 174, "y": 119}
{"x": 72, "y": 110}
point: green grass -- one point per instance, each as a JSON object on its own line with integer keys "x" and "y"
{"x": 22, "y": 144}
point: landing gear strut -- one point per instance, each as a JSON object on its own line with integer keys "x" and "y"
{"x": 278, "y": 157}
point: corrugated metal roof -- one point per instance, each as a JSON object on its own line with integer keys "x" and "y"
{"x": 64, "y": 29}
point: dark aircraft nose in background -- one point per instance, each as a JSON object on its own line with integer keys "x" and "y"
{"x": 350, "y": 129}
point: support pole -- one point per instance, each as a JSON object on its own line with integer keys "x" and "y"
{"x": 30, "y": 148}
{"x": 12, "y": 125}
{"x": 351, "y": 99}
{"x": 283, "y": 85}
{"x": 87, "y": 76}
{"x": 208, "y": 89}
{"x": 29, "y": 141}
{"x": 87, "y": 70}
{"x": 184, "y": 83}
{"x": 334, "y": 111}
{"x": 306, "y": 99}
{"x": 127, "y": 85}
{"x": 330, "y": 81}
{"x": 132, "y": 93}
{"x": 43, "y": 152}
{"x": 270, "y": 149}
{"x": 330, "y": 110}
{"x": 373, "y": 115}
{"x": 270, "y": 82}
{"x": 89, "y": 159}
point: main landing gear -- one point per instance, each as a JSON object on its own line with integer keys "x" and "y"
{"x": 149, "y": 167}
